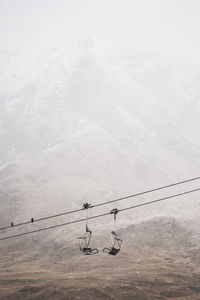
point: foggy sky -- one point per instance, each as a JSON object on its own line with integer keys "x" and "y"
{"x": 161, "y": 25}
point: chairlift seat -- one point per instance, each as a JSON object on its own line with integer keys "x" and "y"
{"x": 116, "y": 245}
{"x": 89, "y": 251}
{"x": 111, "y": 251}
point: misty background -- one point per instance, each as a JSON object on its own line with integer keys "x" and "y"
{"x": 98, "y": 100}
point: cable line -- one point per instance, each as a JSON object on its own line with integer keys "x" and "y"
{"x": 101, "y": 204}
{"x": 51, "y": 227}
{"x": 159, "y": 200}
{"x": 101, "y": 215}
{"x": 42, "y": 219}
{"x": 146, "y": 192}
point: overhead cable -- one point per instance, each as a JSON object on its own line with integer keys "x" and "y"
{"x": 100, "y": 204}
{"x": 100, "y": 215}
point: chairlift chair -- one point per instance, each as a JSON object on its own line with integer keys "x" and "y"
{"x": 116, "y": 241}
{"x": 84, "y": 240}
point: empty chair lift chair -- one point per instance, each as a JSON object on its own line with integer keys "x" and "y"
{"x": 116, "y": 241}
{"x": 84, "y": 240}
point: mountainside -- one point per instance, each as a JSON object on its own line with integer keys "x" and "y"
{"x": 78, "y": 126}
{"x": 99, "y": 100}
{"x": 159, "y": 259}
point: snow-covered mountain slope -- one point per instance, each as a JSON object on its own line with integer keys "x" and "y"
{"x": 79, "y": 125}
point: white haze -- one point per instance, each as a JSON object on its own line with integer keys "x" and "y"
{"x": 98, "y": 99}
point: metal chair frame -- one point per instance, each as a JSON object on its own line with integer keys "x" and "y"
{"x": 116, "y": 241}
{"x": 84, "y": 241}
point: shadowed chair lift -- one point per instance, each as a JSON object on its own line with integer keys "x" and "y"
{"x": 116, "y": 241}
{"x": 84, "y": 241}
